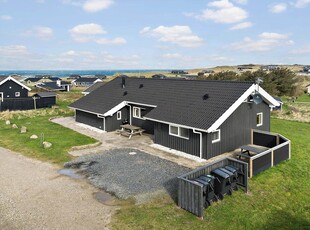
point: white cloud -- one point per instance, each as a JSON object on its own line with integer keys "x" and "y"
{"x": 178, "y": 35}
{"x": 243, "y": 2}
{"x": 301, "y": 51}
{"x": 13, "y": 50}
{"x": 265, "y": 42}
{"x": 241, "y": 26}
{"x": 114, "y": 41}
{"x": 92, "y": 33}
{"x": 6, "y": 17}
{"x": 91, "y": 6}
{"x": 301, "y": 3}
{"x": 41, "y": 32}
{"x": 223, "y": 11}
{"x": 278, "y": 8}
{"x": 172, "y": 56}
{"x": 97, "y": 5}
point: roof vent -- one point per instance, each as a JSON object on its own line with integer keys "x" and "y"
{"x": 205, "y": 97}
{"x": 141, "y": 86}
{"x": 123, "y": 82}
{"x": 125, "y": 93}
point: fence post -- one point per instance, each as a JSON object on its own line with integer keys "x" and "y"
{"x": 251, "y": 167}
{"x": 272, "y": 157}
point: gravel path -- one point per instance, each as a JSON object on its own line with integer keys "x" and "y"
{"x": 129, "y": 172}
{"x": 34, "y": 196}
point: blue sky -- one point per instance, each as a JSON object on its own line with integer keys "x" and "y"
{"x": 152, "y": 34}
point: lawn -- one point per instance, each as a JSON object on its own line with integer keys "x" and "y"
{"x": 279, "y": 198}
{"x": 37, "y": 122}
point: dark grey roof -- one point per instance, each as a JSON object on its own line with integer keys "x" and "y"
{"x": 45, "y": 94}
{"x": 33, "y": 79}
{"x": 178, "y": 101}
{"x": 50, "y": 86}
{"x": 93, "y": 87}
{"x": 86, "y": 79}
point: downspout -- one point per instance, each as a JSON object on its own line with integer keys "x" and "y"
{"x": 100, "y": 116}
{"x": 200, "y": 140}
{"x": 129, "y": 114}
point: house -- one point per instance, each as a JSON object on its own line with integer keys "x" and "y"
{"x": 11, "y": 88}
{"x": 179, "y": 72}
{"x": 269, "y": 67}
{"x": 200, "y": 118}
{"x": 44, "y": 99}
{"x": 92, "y": 88}
{"x": 308, "y": 89}
{"x": 32, "y": 81}
{"x": 306, "y": 69}
{"x": 159, "y": 76}
{"x": 279, "y": 100}
{"x": 86, "y": 81}
{"x": 55, "y": 86}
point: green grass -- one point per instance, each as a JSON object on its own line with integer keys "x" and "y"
{"x": 304, "y": 98}
{"x": 37, "y": 123}
{"x": 279, "y": 198}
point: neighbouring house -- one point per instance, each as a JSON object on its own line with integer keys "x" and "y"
{"x": 92, "y": 88}
{"x": 200, "y": 118}
{"x": 55, "y": 86}
{"x": 269, "y": 67}
{"x": 44, "y": 99}
{"x": 14, "y": 96}
{"x": 279, "y": 100}
{"x": 32, "y": 81}
{"x": 159, "y": 76}
{"x": 179, "y": 72}
{"x": 308, "y": 89}
{"x": 306, "y": 69}
{"x": 86, "y": 81}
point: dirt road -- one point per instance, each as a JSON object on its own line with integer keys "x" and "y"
{"x": 34, "y": 196}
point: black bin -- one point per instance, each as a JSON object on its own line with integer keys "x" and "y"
{"x": 235, "y": 171}
{"x": 233, "y": 181}
{"x": 210, "y": 193}
{"x": 222, "y": 183}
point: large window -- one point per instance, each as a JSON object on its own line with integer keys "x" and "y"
{"x": 259, "y": 119}
{"x": 119, "y": 115}
{"x": 178, "y": 131}
{"x": 216, "y": 136}
{"x": 136, "y": 112}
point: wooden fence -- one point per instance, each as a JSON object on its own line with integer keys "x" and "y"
{"x": 279, "y": 150}
{"x": 190, "y": 194}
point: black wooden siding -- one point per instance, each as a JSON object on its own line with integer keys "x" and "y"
{"x": 26, "y": 103}
{"x": 113, "y": 124}
{"x": 145, "y": 124}
{"x": 10, "y": 92}
{"x": 236, "y": 130}
{"x": 264, "y": 139}
{"x": 162, "y": 137}
{"x": 89, "y": 119}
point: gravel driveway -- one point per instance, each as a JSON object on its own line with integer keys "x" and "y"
{"x": 34, "y": 195}
{"x": 129, "y": 172}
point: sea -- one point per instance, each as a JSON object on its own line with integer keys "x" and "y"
{"x": 83, "y": 73}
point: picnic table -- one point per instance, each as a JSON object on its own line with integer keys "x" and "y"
{"x": 130, "y": 130}
{"x": 251, "y": 150}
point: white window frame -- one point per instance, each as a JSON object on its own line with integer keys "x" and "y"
{"x": 134, "y": 112}
{"x": 261, "y": 119}
{"x": 17, "y": 94}
{"x": 179, "y": 132}
{"x": 219, "y": 138}
{"x": 119, "y": 115}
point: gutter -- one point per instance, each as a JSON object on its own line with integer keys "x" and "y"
{"x": 200, "y": 141}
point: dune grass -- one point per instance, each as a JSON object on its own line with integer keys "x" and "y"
{"x": 279, "y": 198}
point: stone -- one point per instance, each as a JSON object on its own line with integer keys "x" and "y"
{"x": 7, "y": 122}
{"x": 14, "y": 126}
{"x": 34, "y": 136}
{"x": 47, "y": 145}
{"x": 23, "y": 129}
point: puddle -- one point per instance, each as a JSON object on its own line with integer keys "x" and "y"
{"x": 103, "y": 197}
{"x": 70, "y": 173}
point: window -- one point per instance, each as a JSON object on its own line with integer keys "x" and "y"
{"x": 259, "y": 119}
{"x": 178, "y": 131}
{"x": 17, "y": 94}
{"x": 119, "y": 115}
{"x": 216, "y": 136}
{"x": 136, "y": 112}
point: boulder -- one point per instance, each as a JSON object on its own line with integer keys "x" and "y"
{"x": 34, "y": 136}
{"x": 23, "y": 129}
{"x": 14, "y": 126}
{"x": 47, "y": 145}
{"x": 7, "y": 122}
